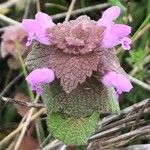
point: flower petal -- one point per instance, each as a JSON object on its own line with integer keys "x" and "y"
{"x": 49, "y": 75}
{"x": 30, "y": 25}
{"x": 44, "y": 20}
{"x": 109, "y": 39}
{"x": 121, "y": 30}
{"x": 43, "y": 38}
{"x": 38, "y": 77}
{"x": 111, "y": 13}
{"x": 118, "y": 81}
{"x": 114, "y": 34}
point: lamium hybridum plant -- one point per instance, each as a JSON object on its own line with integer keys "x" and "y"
{"x": 76, "y": 71}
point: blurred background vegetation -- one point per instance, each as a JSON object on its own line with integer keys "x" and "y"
{"x": 136, "y": 62}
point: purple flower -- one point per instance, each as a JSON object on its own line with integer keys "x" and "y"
{"x": 114, "y": 33}
{"x": 118, "y": 81}
{"x": 38, "y": 77}
{"x": 37, "y": 28}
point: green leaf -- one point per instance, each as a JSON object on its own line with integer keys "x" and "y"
{"x": 83, "y": 101}
{"x": 70, "y": 130}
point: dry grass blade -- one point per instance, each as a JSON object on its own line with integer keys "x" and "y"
{"x": 12, "y": 83}
{"x": 27, "y": 122}
{"x": 140, "y": 83}
{"x": 70, "y": 10}
{"x": 22, "y": 103}
{"x": 81, "y": 10}
{"x": 109, "y": 133}
{"x": 115, "y": 131}
{"x": 9, "y": 20}
{"x": 53, "y": 145}
{"x": 138, "y": 147}
{"x": 12, "y": 134}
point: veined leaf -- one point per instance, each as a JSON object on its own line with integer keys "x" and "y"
{"x": 70, "y": 130}
{"x": 83, "y": 101}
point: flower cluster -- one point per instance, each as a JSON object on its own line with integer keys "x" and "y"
{"x": 79, "y": 48}
{"x": 11, "y": 36}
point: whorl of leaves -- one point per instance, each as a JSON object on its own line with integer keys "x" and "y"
{"x": 71, "y": 69}
{"x": 75, "y": 53}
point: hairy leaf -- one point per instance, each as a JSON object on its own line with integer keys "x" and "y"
{"x": 109, "y": 62}
{"x": 71, "y": 69}
{"x": 71, "y": 130}
{"x": 82, "y": 101}
{"x": 38, "y": 57}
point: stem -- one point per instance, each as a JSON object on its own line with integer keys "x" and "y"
{"x": 46, "y": 141}
{"x": 140, "y": 83}
{"x": 24, "y": 70}
{"x": 141, "y": 32}
{"x": 29, "y": 90}
{"x": 142, "y": 25}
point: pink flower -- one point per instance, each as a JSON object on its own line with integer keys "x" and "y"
{"x": 114, "y": 33}
{"x": 38, "y": 77}
{"x": 37, "y": 28}
{"x": 11, "y": 36}
{"x": 118, "y": 81}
